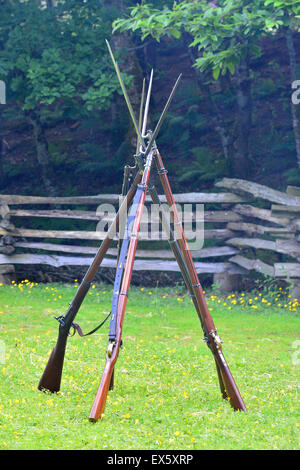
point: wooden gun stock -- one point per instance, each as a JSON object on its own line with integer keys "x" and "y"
{"x": 107, "y": 378}
{"x": 230, "y": 390}
{"x": 106, "y": 384}
{"x": 51, "y": 377}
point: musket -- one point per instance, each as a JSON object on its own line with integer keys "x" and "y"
{"x": 124, "y": 270}
{"x": 121, "y": 259}
{"x": 51, "y": 378}
{"x": 179, "y": 246}
{"x": 122, "y": 251}
{"x": 115, "y": 335}
{"x": 227, "y": 383}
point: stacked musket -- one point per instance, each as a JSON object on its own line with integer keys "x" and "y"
{"x": 147, "y": 153}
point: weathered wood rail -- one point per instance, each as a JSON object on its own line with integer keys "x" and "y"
{"x": 251, "y": 227}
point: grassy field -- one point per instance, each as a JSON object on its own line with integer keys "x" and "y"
{"x": 166, "y": 393}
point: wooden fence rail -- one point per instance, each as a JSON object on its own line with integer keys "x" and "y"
{"x": 240, "y": 237}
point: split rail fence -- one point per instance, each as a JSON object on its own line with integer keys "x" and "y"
{"x": 247, "y": 227}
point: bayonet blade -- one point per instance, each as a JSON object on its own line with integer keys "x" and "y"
{"x": 141, "y": 113}
{"x": 160, "y": 121}
{"x": 131, "y": 112}
{"x": 147, "y": 104}
{"x": 142, "y": 105}
{"x": 162, "y": 116}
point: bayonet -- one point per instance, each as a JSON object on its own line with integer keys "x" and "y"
{"x": 160, "y": 121}
{"x": 131, "y": 112}
{"x": 147, "y": 105}
{"x": 162, "y": 116}
{"x": 141, "y": 113}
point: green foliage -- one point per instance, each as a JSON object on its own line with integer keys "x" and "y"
{"x": 57, "y": 53}
{"x": 266, "y": 87}
{"x": 292, "y": 176}
{"x": 205, "y": 166}
{"x": 172, "y": 125}
{"x": 226, "y": 39}
{"x": 99, "y": 163}
{"x": 54, "y": 61}
{"x": 224, "y": 34}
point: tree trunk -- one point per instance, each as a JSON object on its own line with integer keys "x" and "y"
{"x": 42, "y": 151}
{"x": 294, "y": 107}
{"x": 220, "y": 127}
{"x": 217, "y": 120}
{"x": 241, "y": 165}
{"x": 130, "y": 65}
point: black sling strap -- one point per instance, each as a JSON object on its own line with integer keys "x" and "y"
{"x": 80, "y": 332}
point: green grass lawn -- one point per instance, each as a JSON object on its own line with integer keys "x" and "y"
{"x": 166, "y": 393}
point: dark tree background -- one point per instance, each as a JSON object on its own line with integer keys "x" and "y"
{"x": 65, "y": 129}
